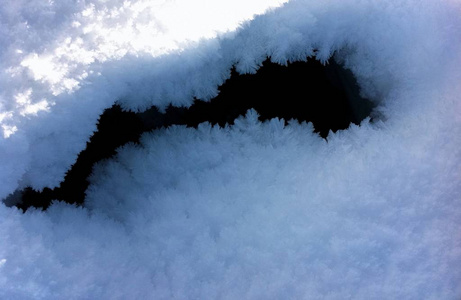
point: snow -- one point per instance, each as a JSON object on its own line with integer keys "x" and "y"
{"x": 254, "y": 210}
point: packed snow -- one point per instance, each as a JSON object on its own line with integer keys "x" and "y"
{"x": 253, "y": 210}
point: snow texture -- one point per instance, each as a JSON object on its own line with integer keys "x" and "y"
{"x": 251, "y": 211}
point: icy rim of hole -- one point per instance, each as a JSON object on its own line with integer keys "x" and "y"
{"x": 327, "y": 96}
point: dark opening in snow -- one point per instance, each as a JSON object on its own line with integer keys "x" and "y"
{"x": 327, "y": 96}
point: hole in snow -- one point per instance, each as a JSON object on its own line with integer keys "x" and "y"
{"x": 327, "y": 96}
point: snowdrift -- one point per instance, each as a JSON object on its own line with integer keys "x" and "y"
{"x": 253, "y": 210}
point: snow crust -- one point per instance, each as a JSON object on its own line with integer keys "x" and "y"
{"x": 256, "y": 210}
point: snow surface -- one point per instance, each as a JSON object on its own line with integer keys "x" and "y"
{"x": 256, "y": 210}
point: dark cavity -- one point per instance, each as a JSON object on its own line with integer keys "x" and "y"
{"x": 326, "y": 95}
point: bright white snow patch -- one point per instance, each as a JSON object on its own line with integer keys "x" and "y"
{"x": 250, "y": 211}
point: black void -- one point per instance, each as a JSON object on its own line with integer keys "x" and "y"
{"x": 326, "y": 95}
